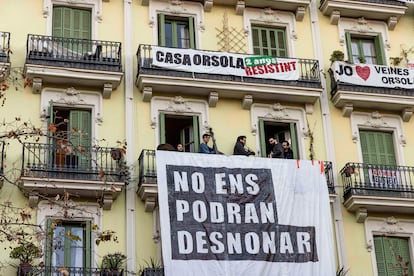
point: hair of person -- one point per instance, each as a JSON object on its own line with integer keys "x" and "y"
{"x": 240, "y": 137}
{"x": 166, "y": 147}
{"x": 206, "y": 135}
{"x": 287, "y": 143}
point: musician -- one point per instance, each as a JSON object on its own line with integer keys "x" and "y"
{"x": 204, "y": 148}
{"x": 240, "y": 147}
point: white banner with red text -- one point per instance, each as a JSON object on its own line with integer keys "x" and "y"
{"x": 224, "y": 63}
{"x": 373, "y": 75}
{"x": 242, "y": 216}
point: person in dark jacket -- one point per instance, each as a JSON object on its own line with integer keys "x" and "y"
{"x": 277, "y": 149}
{"x": 240, "y": 147}
{"x": 204, "y": 148}
{"x": 287, "y": 151}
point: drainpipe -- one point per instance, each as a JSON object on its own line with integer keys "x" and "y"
{"x": 327, "y": 127}
{"x": 130, "y": 195}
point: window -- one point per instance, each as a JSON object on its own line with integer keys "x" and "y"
{"x": 183, "y": 130}
{"x": 176, "y": 31}
{"x": 280, "y": 131}
{"x": 392, "y": 255}
{"x": 71, "y": 23}
{"x": 68, "y": 244}
{"x": 377, "y": 147}
{"x": 367, "y": 50}
{"x": 269, "y": 41}
{"x": 71, "y": 137}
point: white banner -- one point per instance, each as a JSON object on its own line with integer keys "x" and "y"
{"x": 223, "y": 63}
{"x": 239, "y": 216}
{"x": 373, "y": 75}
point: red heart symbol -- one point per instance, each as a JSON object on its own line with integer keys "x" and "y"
{"x": 363, "y": 72}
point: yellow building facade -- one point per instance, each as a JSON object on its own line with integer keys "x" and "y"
{"x": 93, "y": 87}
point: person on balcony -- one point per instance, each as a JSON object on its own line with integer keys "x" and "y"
{"x": 287, "y": 151}
{"x": 180, "y": 148}
{"x": 277, "y": 149}
{"x": 204, "y": 148}
{"x": 240, "y": 147}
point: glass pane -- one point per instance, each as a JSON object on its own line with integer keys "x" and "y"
{"x": 272, "y": 39}
{"x": 58, "y": 248}
{"x": 183, "y": 34}
{"x": 355, "y": 51}
{"x": 255, "y": 38}
{"x": 168, "y": 34}
{"x": 368, "y": 49}
{"x": 76, "y": 247}
{"x": 264, "y": 38}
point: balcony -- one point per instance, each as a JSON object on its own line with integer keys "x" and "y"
{"x": 348, "y": 96}
{"x": 147, "y": 181}
{"x": 298, "y": 7}
{"x": 76, "y": 62}
{"x": 217, "y": 82}
{"x": 82, "y": 172}
{"x": 72, "y": 271}
{"x": 4, "y": 55}
{"x": 389, "y": 11}
{"x": 377, "y": 188}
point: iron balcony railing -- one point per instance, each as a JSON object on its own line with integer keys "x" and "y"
{"x": 308, "y": 71}
{"x": 71, "y": 271}
{"x": 73, "y": 53}
{"x": 377, "y": 180}
{"x": 1, "y": 158}
{"x": 148, "y": 170}
{"x": 4, "y": 47}
{"x": 73, "y": 162}
{"x": 152, "y": 272}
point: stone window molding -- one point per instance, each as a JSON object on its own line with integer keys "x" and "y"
{"x": 72, "y": 98}
{"x": 270, "y": 18}
{"x": 177, "y": 8}
{"x": 279, "y": 113}
{"x": 179, "y": 106}
{"x": 379, "y": 122}
{"x": 94, "y": 5}
{"x": 78, "y": 212}
{"x": 363, "y": 27}
{"x": 391, "y": 227}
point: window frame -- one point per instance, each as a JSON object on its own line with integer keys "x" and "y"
{"x": 268, "y": 30}
{"x": 377, "y": 43}
{"x": 175, "y": 21}
{"x": 391, "y": 227}
{"x": 87, "y": 243}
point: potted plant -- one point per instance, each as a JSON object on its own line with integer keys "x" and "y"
{"x": 112, "y": 264}
{"x": 337, "y": 56}
{"x": 26, "y": 252}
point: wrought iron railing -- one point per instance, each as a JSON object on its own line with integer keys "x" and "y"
{"x": 73, "y": 53}
{"x": 73, "y": 162}
{"x": 383, "y": 2}
{"x": 4, "y": 47}
{"x": 148, "y": 170}
{"x": 1, "y": 159}
{"x": 377, "y": 180}
{"x": 308, "y": 70}
{"x": 152, "y": 272}
{"x": 71, "y": 271}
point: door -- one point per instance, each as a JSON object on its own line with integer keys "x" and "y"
{"x": 282, "y": 132}
{"x": 177, "y": 129}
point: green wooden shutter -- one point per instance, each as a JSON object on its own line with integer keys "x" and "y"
{"x": 377, "y": 147}
{"x": 349, "y": 47}
{"x": 191, "y": 33}
{"x": 162, "y": 127}
{"x": 80, "y": 135}
{"x": 88, "y": 244}
{"x": 196, "y": 131}
{"x": 263, "y": 139}
{"x": 48, "y": 243}
{"x": 294, "y": 140}
{"x": 379, "y": 50}
{"x": 392, "y": 255}
{"x": 269, "y": 41}
{"x": 161, "y": 29}
{"x": 57, "y": 21}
